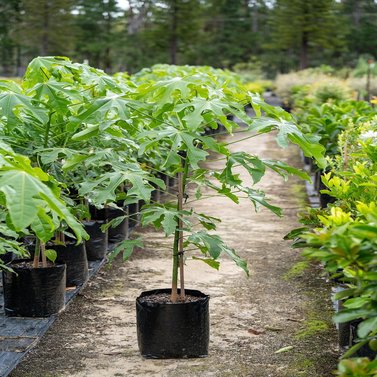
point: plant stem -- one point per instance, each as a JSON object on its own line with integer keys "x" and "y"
{"x": 174, "y": 284}
{"x": 178, "y": 257}
{"x": 180, "y": 244}
{"x": 47, "y": 132}
{"x": 36, "y": 253}
{"x": 345, "y": 156}
{"x": 245, "y": 138}
{"x": 43, "y": 249}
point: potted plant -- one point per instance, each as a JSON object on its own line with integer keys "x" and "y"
{"x": 31, "y": 200}
{"x": 174, "y": 322}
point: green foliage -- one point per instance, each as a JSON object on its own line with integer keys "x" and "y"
{"x": 344, "y": 236}
{"x": 32, "y": 198}
{"x": 357, "y": 367}
{"x": 330, "y": 119}
{"x": 107, "y": 138}
{"x": 303, "y": 25}
{"x": 125, "y": 247}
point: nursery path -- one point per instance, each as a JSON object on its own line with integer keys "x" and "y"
{"x": 280, "y": 305}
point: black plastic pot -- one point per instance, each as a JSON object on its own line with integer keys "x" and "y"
{"x": 74, "y": 256}
{"x": 363, "y": 351}
{"x": 307, "y": 160}
{"x": 167, "y": 330}
{"x": 133, "y": 210}
{"x": 120, "y": 232}
{"x": 97, "y": 214}
{"x": 7, "y": 257}
{"x": 34, "y": 292}
{"x": 324, "y": 199}
{"x": 96, "y": 246}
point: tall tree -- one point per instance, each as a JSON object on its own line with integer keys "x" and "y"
{"x": 302, "y": 26}
{"x": 98, "y": 33}
{"x": 362, "y": 16}
{"x": 175, "y": 26}
{"x": 10, "y": 11}
{"x": 229, "y": 32}
{"x": 47, "y": 27}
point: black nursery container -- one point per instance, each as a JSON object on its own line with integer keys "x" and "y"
{"x": 324, "y": 199}
{"x": 96, "y": 245}
{"x": 167, "y": 330}
{"x": 34, "y": 292}
{"x": 74, "y": 256}
{"x": 120, "y": 232}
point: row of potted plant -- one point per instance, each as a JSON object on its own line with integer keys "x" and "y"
{"x": 342, "y": 234}
{"x": 104, "y": 143}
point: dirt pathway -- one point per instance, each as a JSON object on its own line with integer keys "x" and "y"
{"x": 283, "y": 304}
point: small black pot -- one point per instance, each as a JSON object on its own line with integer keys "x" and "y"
{"x": 7, "y": 257}
{"x": 120, "y": 232}
{"x": 74, "y": 256}
{"x": 324, "y": 199}
{"x": 133, "y": 211}
{"x": 364, "y": 351}
{"x": 34, "y": 292}
{"x": 167, "y": 330}
{"x": 96, "y": 245}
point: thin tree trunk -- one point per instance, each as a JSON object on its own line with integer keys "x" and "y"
{"x": 18, "y": 61}
{"x": 368, "y": 79}
{"x": 37, "y": 251}
{"x": 304, "y": 51}
{"x": 43, "y": 253}
{"x": 356, "y": 15}
{"x": 180, "y": 245}
{"x": 178, "y": 253}
{"x": 174, "y": 37}
{"x": 45, "y": 40}
{"x": 107, "y": 57}
{"x": 19, "y": 71}
{"x": 255, "y": 18}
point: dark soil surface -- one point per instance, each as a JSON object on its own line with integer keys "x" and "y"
{"x": 165, "y": 298}
{"x": 276, "y": 323}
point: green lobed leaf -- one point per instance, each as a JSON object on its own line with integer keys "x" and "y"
{"x": 214, "y": 246}
{"x": 126, "y": 247}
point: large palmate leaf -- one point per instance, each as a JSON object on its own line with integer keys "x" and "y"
{"x": 126, "y": 247}
{"x": 213, "y": 246}
{"x": 104, "y": 188}
{"x": 60, "y": 97}
{"x": 177, "y": 140}
{"x": 14, "y": 107}
{"x": 275, "y": 118}
{"x": 252, "y": 164}
{"x": 42, "y": 68}
{"x": 285, "y": 170}
{"x": 110, "y": 107}
{"x": 198, "y": 110}
{"x": 165, "y": 216}
{"x": 257, "y": 197}
{"x": 169, "y": 91}
{"x": 32, "y": 198}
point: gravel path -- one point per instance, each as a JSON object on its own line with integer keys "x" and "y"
{"x": 283, "y": 305}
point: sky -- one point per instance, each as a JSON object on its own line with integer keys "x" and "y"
{"x": 123, "y": 3}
